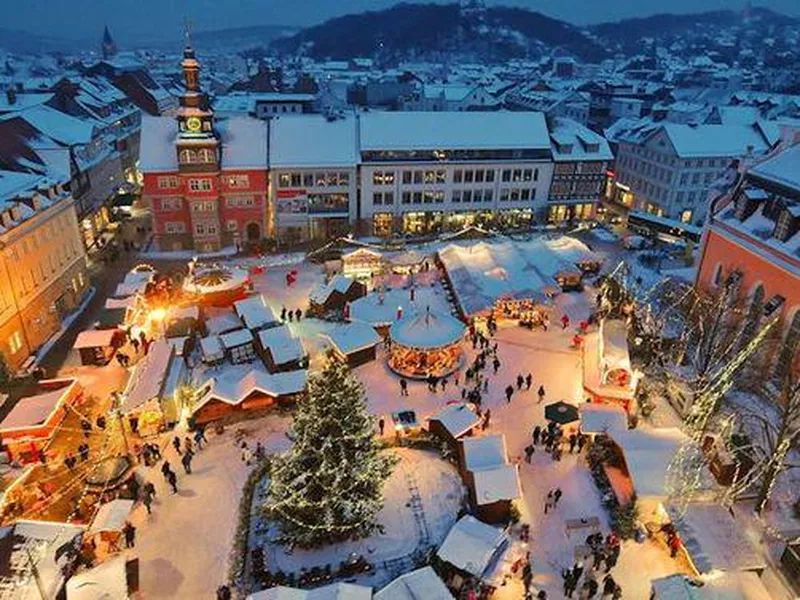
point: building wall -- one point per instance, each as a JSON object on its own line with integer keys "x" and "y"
{"x": 440, "y": 182}
{"x": 42, "y": 278}
{"x": 575, "y": 189}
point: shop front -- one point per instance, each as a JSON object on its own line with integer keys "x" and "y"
{"x": 423, "y": 223}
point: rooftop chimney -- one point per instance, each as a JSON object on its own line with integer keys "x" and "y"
{"x": 11, "y": 96}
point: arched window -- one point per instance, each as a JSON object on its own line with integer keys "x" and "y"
{"x": 717, "y": 275}
{"x": 188, "y": 157}
{"x": 788, "y": 350}
{"x": 205, "y": 156}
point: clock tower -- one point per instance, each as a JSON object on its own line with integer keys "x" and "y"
{"x": 197, "y": 143}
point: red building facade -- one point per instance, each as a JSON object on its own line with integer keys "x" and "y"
{"x": 205, "y": 179}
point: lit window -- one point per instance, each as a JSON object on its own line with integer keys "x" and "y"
{"x": 15, "y": 342}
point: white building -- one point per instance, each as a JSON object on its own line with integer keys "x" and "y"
{"x": 423, "y": 172}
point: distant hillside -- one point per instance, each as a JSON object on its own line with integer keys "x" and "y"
{"x": 238, "y": 37}
{"x": 22, "y": 42}
{"x": 416, "y": 31}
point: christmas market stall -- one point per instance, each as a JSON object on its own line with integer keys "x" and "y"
{"x": 255, "y": 313}
{"x": 363, "y": 263}
{"x": 145, "y": 404}
{"x": 354, "y": 343}
{"x": 239, "y": 346}
{"x": 607, "y": 372}
{"x": 98, "y": 346}
{"x": 281, "y": 350}
{"x": 575, "y": 253}
{"x": 107, "y": 525}
{"x": 600, "y": 418}
{"x": 56, "y": 548}
{"x": 420, "y": 584}
{"x": 113, "y": 579}
{"x": 453, "y": 422}
{"x": 742, "y": 585}
{"x": 183, "y": 321}
{"x": 216, "y": 284}
{"x": 334, "y": 295}
{"x": 27, "y": 429}
{"x": 493, "y": 482}
{"x": 333, "y": 591}
{"x": 408, "y": 262}
{"x": 212, "y": 352}
{"x": 426, "y": 344}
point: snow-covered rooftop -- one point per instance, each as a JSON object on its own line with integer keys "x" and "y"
{"x": 339, "y": 283}
{"x": 648, "y": 453}
{"x": 497, "y": 483}
{"x": 34, "y": 410}
{"x": 94, "y": 338}
{"x": 599, "y": 417}
{"x": 485, "y": 452}
{"x": 106, "y": 581}
{"x": 148, "y": 377}
{"x": 334, "y": 591}
{"x": 723, "y": 586}
{"x": 427, "y": 329}
{"x": 222, "y": 323}
{"x": 422, "y": 584}
{"x": 239, "y": 337}
{"x": 783, "y": 168}
{"x": 472, "y": 545}
{"x": 573, "y": 141}
{"x": 233, "y": 385}
{"x": 111, "y": 516}
{"x": 453, "y": 131}
{"x": 312, "y": 141}
{"x": 352, "y": 337}
{"x": 211, "y": 348}
{"x": 457, "y": 419}
{"x": 255, "y": 312}
{"x": 282, "y": 344}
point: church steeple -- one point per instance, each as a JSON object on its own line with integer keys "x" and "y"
{"x": 108, "y": 47}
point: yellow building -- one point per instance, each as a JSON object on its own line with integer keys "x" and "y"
{"x": 42, "y": 263}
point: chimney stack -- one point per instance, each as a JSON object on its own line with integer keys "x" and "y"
{"x": 11, "y": 96}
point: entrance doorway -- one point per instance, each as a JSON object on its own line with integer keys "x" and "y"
{"x": 253, "y": 232}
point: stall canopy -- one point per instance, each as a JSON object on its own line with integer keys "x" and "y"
{"x": 234, "y": 387}
{"x": 614, "y": 349}
{"x": 338, "y": 284}
{"x": 148, "y": 377}
{"x": 31, "y": 411}
{"x": 457, "y": 419}
{"x": 211, "y": 349}
{"x": 111, "y": 516}
{"x": 255, "y": 313}
{"x": 107, "y": 581}
{"x": 495, "y": 479}
{"x": 472, "y": 546}
{"x": 725, "y": 586}
{"x": 334, "y": 591}
{"x": 598, "y": 417}
{"x": 648, "y": 453}
{"x": 421, "y": 584}
{"x": 713, "y": 540}
{"x": 282, "y": 345}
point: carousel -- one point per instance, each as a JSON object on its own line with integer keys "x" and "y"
{"x": 216, "y": 285}
{"x": 426, "y": 345}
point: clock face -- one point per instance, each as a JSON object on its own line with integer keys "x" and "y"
{"x": 193, "y": 124}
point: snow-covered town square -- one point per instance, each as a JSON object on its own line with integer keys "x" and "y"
{"x": 432, "y": 301}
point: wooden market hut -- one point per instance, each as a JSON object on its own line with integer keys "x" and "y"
{"x": 98, "y": 346}
{"x": 255, "y": 313}
{"x": 363, "y": 263}
{"x": 334, "y": 295}
{"x": 607, "y": 372}
{"x": 281, "y": 350}
{"x": 492, "y": 482}
{"x": 354, "y": 343}
{"x": 453, "y": 422}
{"x": 144, "y": 403}
{"x": 239, "y": 346}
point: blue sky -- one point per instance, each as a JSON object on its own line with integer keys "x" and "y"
{"x": 137, "y": 19}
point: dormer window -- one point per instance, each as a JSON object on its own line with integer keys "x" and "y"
{"x": 786, "y": 225}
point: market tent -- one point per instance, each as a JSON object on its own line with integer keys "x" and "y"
{"x": 148, "y": 377}
{"x": 334, "y": 591}
{"x": 282, "y": 346}
{"x": 493, "y": 479}
{"x": 472, "y": 546}
{"x": 423, "y": 583}
{"x": 614, "y": 357}
{"x": 713, "y": 540}
{"x": 456, "y": 419}
{"x": 211, "y": 350}
{"x": 724, "y": 586}
{"x": 648, "y": 454}
{"x": 561, "y": 412}
{"x": 255, "y": 313}
{"x": 107, "y": 581}
{"x": 111, "y": 516}
{"x": 598, "y": 417}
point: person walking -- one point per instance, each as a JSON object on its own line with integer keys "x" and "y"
{"x": 283, "y": 313}
{"x": 520, "y": 381}
{"x": 564, "y": 321}
{"x": 485, "y": 386}
{"x": 509, "y": 393}
{"x": 609, "y": 585}
{"x": 570, "y": 583}
{"x": 528, "y": 381}
{"x": 298, "y": 314}
{"x": 589, "y": 588}
{"x": 528, "y": 453}
{"x": 147, "y": 500}
{"x": 187, "y": 444}
{"x": 172, "y": 479}
{"x": 541, "y": 394}
{"x": 403, "y": 387}
{"x": 612, "y": 557}
{"x": 486, "y": 417}
{"x": 573, "y": 440}
{"x": 165, "y": 469}
{"x": 247, "y": 454}
{"x": 176, "y": 442}
{"x": 381, "y": 425}
{"x": 496, "y": 365}
{"x": 129, "y": 531}
{"x": 186, "y": 461}
{"x": 556, "y": 497}
{"x": 198, "y": 439}
{"x": 537, "y": 432}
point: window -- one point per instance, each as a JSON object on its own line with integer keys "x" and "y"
{"x": 167, "y": 182}
{"x": 418, "y": 197}
{"x": 200, "y": 185}
{"x": 204, "y": 155}
{"x": 468, "y": 176}
{"x": 479, "y": 173}
{"x": 407, "y": 177}
{"x": 15, "y": 342}
{"x": 171, "y": 204}
{"x": 284, "y": 180}
{"x": 199, "y": 229}
{"x": 717, "y": 275}
{"x": 686, "y": 216}
{"x": 417, "y": 177}
{"x": 187, "y": 157}
{"x": 441, "y": 176}
{"x": 696, "y": 178}
{"x": 467, "y": 196}
{"x": 514, "y": 195}
{"x": 344, "y": 178}
{"x": 456, "y": 197}
{"x": 504, "y": 195}
{"x": 308, "y": 180}
{"x": 238, "y": 181}
{"x": 506, "y": 175}
{"x": 383, "y": 178}
{"x": 487, "y": 194}
{"x": 297, "y": 180}
{"x": 172, "y": 227}
{"x": 388, "y": 197}
{"x": 489, "y": 176}
{"x": 525, "y": 194}
{"x": 516, "y": 175}
{"x": 406, "y": 198}
{"x": 231, "y": 225}
{"x": 377, "y": 198}
{"x": 527, "y": 174}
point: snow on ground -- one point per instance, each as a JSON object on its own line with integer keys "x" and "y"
{"x": 184, "y": 546}
{"x": 441, "y": 493}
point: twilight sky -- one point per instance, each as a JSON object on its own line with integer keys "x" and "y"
{"x": 162, "y": 19}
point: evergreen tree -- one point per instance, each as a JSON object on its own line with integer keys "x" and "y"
{"x": 329, "y": 486}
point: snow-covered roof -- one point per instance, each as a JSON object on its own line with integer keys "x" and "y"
{"x": 422, "y": 584}
{"x": 453, "y": 131}
{"x": 255, "y": 312}
{"x": 352, "y": 337}
{"x": 714, "y": 541}
{"x": 485, "y": 452}
{"x": 178, "y": 313}
{"x": 282, "y": 344}
{"x": 781, "y": 168}
{"x": 472, "y": 545}
{"x": 106, "y": 581}
{"x": 450, "y": 92}
{"x": 572, "y": 250}
{"x": 31, "y": 411}
{"x": 427, "y": 330}
{"x": 157, "y": 144}
{"x": 240, "y": 337}
{"x": 339, "y": 283}
{"x": 648, "y": 453}
{"x": 111, "y": 516}
{"x": 127, "y": 302}
{"x": 599, "y": 417}
{"x": 94, "y": 338}
{"x": 334, "y": 591}
{"x": 409, "y": 258}
{"x": 722, "y": 586}
{"x": 572, "y": 141}
{"x": 42, "y": 540}
{"x": 311, "y": 140}
{"x": 457, "y": 419}
{"x": 496, "y": 483}
{"x": 60, "y": 126}
{"x": 232, "y": 387}
{"x": 222, "y": 323}
{"x": 614, "y": 346}
{"x": 211, "y": 348}
{"x": 148, "y": 377}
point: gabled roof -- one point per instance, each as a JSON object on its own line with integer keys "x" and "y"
{"x": 471, "y": 545}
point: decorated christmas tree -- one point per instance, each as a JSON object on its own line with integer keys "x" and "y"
{"x": 329, "y": 486}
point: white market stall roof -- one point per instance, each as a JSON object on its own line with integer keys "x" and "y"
{"x": 352, "y": 337}
{"x": 111, "y": 516}
{"x": 421, "y": 584}
{"x": 614, "y": 346}
{"x": 128, "y": 302}
{"x": 31, "y": 411}
{"x": 282, "y": 344}
{"x": 409, "y": 258}
{"x": 107, "y": 581}
{"x": 496, "y": 483}
{"x": 713, "y": 539}
{"x": 427, "y": 330}
{"x": 124, "y": 290}
{"x": 457, "y": 419}
{"x": 94, "y": 338}
{"x": 648, "y": 453}
{"x": 338, "y": 283}
{"x": 359, "y": 252}
{"x": 41, "y": 539}
{"x": 255, "y": 312}
{"x": 334, "y": 591}
{"x": 178, "y": 313}
{"x": 599, "y": 417}
{"x": 148, "y": 377}
{"x": 223, "y": 323}
{"x": 572, "y": 250}
{"x": 211, "y": 348}
{"x": 233, "y": 339}
{"x": 232, "y": 387}
{"x": 472, "y": 545}
{"x": 485, "y": 452}
{"x": 726, "y": 586}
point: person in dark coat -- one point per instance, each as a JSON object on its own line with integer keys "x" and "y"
{"x": 186, "y": 461}
{"x": 509, "y": 393}
{"x": 130, "y": 534}
{"x": 172, "y": 479}
{"x": 298, "y": 314}
{"x": 403, "y": 387}
{"x": 381, "y": 425}
{"x": 176, "y": 442}
{"x": 166, "y": 470}
{"x": 528, "y": 453}
{"x": 520, "y": 381}
{"x": 537, "y": 432}
{"x": 541, "y": 393}
{"x": 528, "y": 381}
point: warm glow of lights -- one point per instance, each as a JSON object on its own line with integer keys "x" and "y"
{"x": 158, "y": 314}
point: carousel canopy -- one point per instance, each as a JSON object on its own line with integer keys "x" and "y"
{"x": 427, "y": 330}
{"x": 215, "y": 278}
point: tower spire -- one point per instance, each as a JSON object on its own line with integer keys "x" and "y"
{"x": 108, "y": 47}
